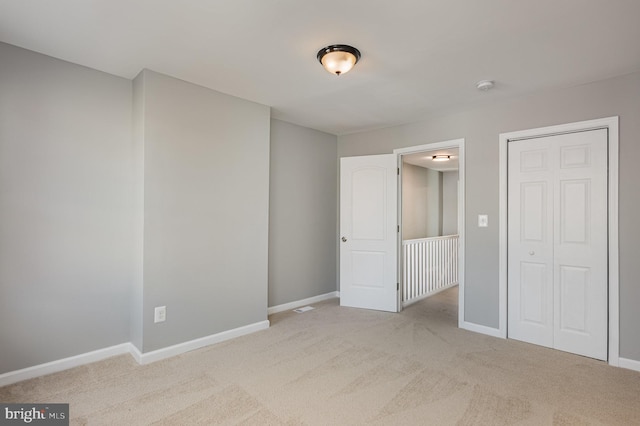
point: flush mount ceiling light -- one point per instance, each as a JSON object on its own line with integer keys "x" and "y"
{"x": 485, "y": 85}
{"x": 338, "y": 58}
{"x": 441, "y": 158}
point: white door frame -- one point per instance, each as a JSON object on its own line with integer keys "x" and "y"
{"x": 611, "y": 124}
{"x": 455, "y": 143}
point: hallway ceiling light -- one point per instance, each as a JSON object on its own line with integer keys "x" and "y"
{"x": 338, "y": 58}
{"x": 441, "y": 158}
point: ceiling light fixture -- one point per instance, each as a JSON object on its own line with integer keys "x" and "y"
{"x": 441, "y": 158}
{"x": 485, "y": 85}
{"x": 338, "y": 58}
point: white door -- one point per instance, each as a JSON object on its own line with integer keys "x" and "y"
{"x": 557, "y": 237}
{"x": 368, "y": 232}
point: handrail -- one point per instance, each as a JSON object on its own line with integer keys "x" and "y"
{"x": 419, "y": 240}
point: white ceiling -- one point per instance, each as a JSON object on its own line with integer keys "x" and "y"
{"x": 425, "y": 159}
{"x": 419, "y": 57}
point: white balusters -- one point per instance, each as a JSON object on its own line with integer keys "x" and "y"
{"x": 430, "y": 265}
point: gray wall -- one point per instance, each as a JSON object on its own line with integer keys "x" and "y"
{"x": 137, "y": 152}
{"x": 99, "y": 227}
{"x": 449, "y": 203}
{"x": 206, "y": 210}
{"x": 422, "y": 202}
{"x": 302, "y": 213}
{"x": 66, "y": 209}
{"x": 480, "y": 126}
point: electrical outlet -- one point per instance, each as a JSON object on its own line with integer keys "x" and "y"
{"x": 160, "y": 314}
{"x": 483, "y": 220}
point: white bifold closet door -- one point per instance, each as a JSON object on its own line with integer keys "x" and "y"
{"x": 557, "y": 237}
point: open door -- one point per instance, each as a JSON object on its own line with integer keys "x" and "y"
{"x": 368, "y": 232}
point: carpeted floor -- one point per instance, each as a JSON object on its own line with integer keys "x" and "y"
{"x": 343, "y": 366}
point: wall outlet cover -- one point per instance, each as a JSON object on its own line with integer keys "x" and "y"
{"x": 160, "y": 314}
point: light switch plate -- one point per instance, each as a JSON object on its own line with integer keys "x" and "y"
{"x": 483, "y": 220}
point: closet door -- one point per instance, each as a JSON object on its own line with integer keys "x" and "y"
{"x": 557, "y": 267}
{"x": 580, "y": 244}
{"x": 530, "y": 239}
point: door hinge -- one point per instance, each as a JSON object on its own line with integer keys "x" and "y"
{"x": 397, "y": 286}
{"x": 398, "y": 171}
{"x": 398, "y": 228}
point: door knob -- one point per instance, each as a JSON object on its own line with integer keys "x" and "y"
{"x": 344, "y": 240}
{"x": 531, "y": 253}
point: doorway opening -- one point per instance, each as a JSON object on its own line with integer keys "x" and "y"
{"x": 431, "y": 218}
{"x": 429, "y": 234}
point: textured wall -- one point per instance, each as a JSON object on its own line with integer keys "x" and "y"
{"x": 449, "y": 203}
{"x": 66, "y": 209}
{"x": 206, "y": 210}
{"x": 302, "y": 213}
{"x": 422, "y": 206}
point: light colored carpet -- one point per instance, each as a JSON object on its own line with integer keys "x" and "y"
{"x": 343, "y": 366}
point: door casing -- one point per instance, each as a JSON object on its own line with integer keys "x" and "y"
{"x": 611, "y": 124}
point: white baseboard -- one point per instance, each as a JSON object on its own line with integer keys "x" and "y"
{"x": 298, "y": 303}
{"x": 629, "y": 364}
{"x": 483, "y": 329}
{"x": 149, "y": 357}
{"x": 64, "y": 364}
{"x": 127, "y": 348}
{"x": 180, "y": 348}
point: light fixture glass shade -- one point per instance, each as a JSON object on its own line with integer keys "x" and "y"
{"x": 339, "y": 58}
{"x": 441, "y": 158}
{"x": 485, "y": 85}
